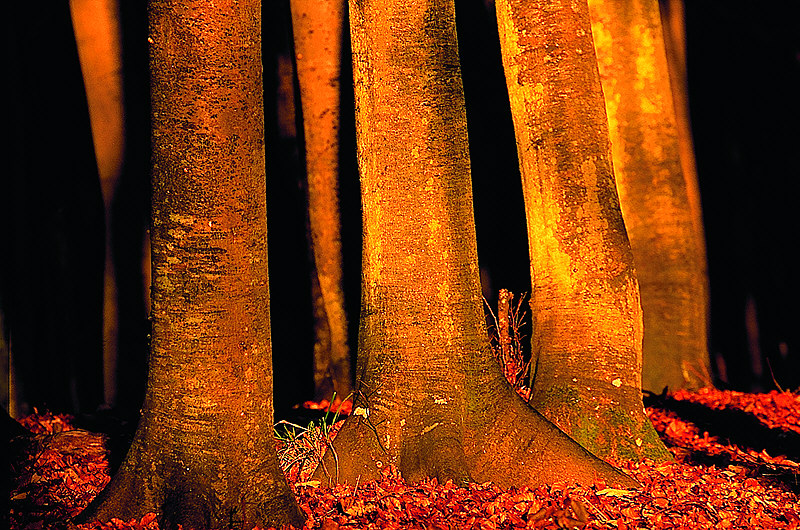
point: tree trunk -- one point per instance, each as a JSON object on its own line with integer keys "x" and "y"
{"x": 674, "y": 28}
{"x": 52, "y": 289}
{"x": 203, "y": 455}
{"x": 430, "y": 399}
{"x": 659, "y": 198}
{"x": 97, "y": 34}
{"x": 317, "y": 26}
{"x": 587, "y": 323}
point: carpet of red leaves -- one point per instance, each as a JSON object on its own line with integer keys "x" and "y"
{"x": 712, "y": 483}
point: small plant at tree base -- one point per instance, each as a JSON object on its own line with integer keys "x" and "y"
{"x": 300, "y": 449}
{"x": 506, "y": 338}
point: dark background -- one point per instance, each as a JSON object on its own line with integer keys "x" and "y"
{"x": 744, "y": 81}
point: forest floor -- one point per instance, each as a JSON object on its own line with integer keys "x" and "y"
{"x": 736, "y": 466}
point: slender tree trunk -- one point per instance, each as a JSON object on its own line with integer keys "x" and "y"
{"x": 674, "y": 28}
{"x": 97, "y": 34}
{"x": 661, "y": 212}
{"x": 55, "y": 220}
{"x": 318, "y": 31}
{"x": 203, "y": 455}
{"x": 430, "y": 399}
{"x": 587, "y": 323}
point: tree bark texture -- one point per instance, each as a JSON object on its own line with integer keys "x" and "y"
{"x": 587, "y": 323}
{"x": 430, "y": 399}
{"x": 203, "y": 455}
{"x": 318, "y": 31}
{"x": 658, "y": 197}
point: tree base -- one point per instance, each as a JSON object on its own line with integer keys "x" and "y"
{"x": 508, "y": 443}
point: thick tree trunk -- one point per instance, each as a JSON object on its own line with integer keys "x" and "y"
{"x": 587, "y": 324}
{"x": 317, "y": 27}
{"x": 430, "y": 398}
{"x": 203, "y": 455}
{"x": 657, "y": 191}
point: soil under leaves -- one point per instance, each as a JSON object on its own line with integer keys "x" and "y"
{"x": 736, "y": 466}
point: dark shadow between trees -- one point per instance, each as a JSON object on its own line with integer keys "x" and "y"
{"x": 731, "y": 426}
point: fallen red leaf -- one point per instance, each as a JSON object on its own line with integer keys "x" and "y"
{"x": 62, "y": 469}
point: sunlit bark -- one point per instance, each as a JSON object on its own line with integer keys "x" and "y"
{"x": 587, "y": 324}
{"x": 203, "y": 455}
{"x": 657, "y": 187}
{"x": 430, "y": 398}
{"x": 317, "y": 26}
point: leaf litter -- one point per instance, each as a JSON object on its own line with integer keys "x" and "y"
{"x": 712, "y": 483}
